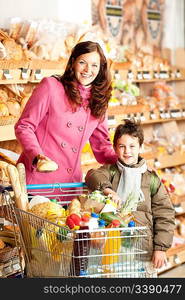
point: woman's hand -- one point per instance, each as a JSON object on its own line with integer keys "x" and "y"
{"x": 42, "y": 156}
{"x": 114, "y": 196}
{"x": 45, "y": 164}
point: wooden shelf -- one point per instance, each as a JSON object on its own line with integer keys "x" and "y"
{"x": 175, "y": 256}
{"x": 175, "y": 159}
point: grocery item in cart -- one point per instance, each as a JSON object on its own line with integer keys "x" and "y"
{"x": 98, "y": 237}
{"x": 112, "y": 246}
{"x": 81, "y": 249}
{"x": 48, "y": 210}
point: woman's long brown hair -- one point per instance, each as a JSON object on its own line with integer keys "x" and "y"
{"x": 101, "y": 86}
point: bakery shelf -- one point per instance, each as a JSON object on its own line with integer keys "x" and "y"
{"x": 9, "y": 76}
{"x": 175, "y": 256}
{"x": 7, "y": 132}
{"x": 172, "y": 160}
{"x": 37, "y": 75}
{"x": 35, "y": 64}
{"x": 11, "y": 64}
{"x": 144, "y": 76}
{"x": 126, "y": 109}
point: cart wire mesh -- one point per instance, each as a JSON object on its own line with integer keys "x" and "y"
{"x": 52, "y": 250}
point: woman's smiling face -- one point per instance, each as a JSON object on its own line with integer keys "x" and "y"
{"x": 86, "y": 67}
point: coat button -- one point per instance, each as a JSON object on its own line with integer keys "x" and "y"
{"x": 69, "y": 124}
{"x": 63, "y": 144}
{"x": 74, "y": 149}
{"x": 80, "y": 128}
{"x": 69, "y": 170}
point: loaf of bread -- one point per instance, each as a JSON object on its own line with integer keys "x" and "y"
{"x": 2, "y": 244}
{"x": 46, "y": 165}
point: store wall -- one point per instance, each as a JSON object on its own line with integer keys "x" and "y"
{"x": 174, "y": 24}
{"x": 78, "y": 11}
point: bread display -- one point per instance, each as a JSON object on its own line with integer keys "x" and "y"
{"x": 4, "y": 176}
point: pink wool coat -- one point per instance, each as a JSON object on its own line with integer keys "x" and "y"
{"x": 48, "y": 126}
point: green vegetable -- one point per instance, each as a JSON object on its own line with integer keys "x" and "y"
{"x": 108, "y": 217}
{"x": 62, "y": 234}
{"x": 98, "y": 196}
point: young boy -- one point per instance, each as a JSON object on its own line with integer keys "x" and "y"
{"x": 130, "y": 176}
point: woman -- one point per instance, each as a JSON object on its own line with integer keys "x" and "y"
{"x": 63, "y": 113}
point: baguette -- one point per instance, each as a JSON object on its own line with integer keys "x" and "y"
{"x": 20, "y": 199}
{"x": 22, "y": 179}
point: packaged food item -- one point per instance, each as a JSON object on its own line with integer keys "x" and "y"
{"x": 112, "y": 246}
{"x": 81, "y": 249}
{"x": 99, "y": 236}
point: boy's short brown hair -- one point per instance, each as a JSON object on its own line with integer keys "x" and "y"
{"x": 130, "y": 127}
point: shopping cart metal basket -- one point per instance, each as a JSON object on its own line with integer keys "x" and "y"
{"x": 52, "y": 250}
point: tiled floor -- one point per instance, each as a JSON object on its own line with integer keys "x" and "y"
{"x": 178, "y": 272}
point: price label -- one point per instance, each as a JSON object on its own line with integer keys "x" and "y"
{"x": 178, "y": 74}
{"x": 111, "y": 120}
{"x": 164, "y": 75}
{"x": 162, "y": 114}
{"x": 7, "y": 74}
{"x": 156, "y": 75}
{"x": 153, "y": 116}
{"x": 167, "y": 114}
{"x": 130, "y": 75}
{"x": 177, "y": 259}
{"x": 117, "y": 75}
{"x": 38, "y": 74}
{"x": 176, "y": 113}
{"x": 172, "y": 74}
{"x": 157, "y": 164}
{"x": 183, "y": 113}
{"x": 24, "y": 73}
{"x": 146, "y": 75}
{"x": 142, "y": 118}
{"x": 139, "y": 75}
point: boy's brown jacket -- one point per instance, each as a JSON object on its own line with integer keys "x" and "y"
{"x": 156, "y": 212}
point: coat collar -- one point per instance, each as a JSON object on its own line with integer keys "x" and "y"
{"x": 141, "y": 161}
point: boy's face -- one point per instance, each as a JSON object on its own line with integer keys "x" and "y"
{"x": 128, "y": 149}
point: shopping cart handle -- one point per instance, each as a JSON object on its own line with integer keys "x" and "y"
{"x": 56, "y": 185}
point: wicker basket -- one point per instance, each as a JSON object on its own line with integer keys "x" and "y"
{"x": 36, "y": 64}
{"x": 7, "y": 120}
{"x": 10, "y": 64}
{"x": 8, "y": 253}
{"x": 12, "y": 145}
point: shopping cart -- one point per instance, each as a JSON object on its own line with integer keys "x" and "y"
{"x": 52, "y": 250}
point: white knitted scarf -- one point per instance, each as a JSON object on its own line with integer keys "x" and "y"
{"x": 129, "y": 187}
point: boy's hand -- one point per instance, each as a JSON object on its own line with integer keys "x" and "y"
{"x": 159, "y": 259}
{"x": 114, "y": 196}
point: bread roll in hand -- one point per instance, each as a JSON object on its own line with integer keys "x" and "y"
{"x": 46, "y": 165}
